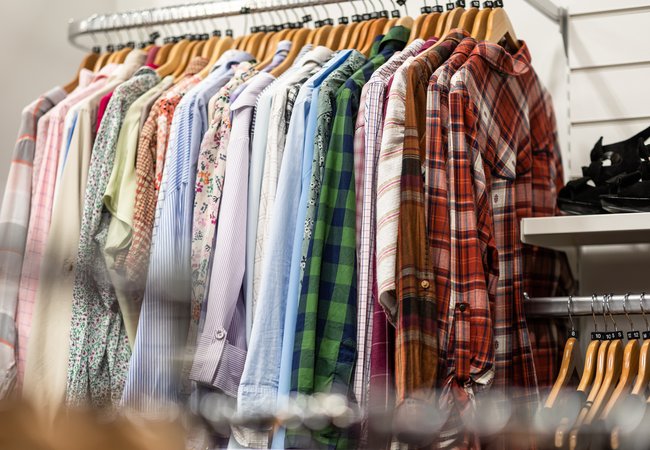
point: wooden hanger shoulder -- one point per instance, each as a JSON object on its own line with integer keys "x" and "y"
{"x": 416, "y": 29}
{"x": 348, "y": 34}
{"x": 628, "y": 374}
{"x": 185, "y": 58}
{"x": 643, "y": 375}
{"x": 440, "y": 26}
{"x": 429, "y": 26}
{"x": 299, "y": 40}
{"x": 499, "y": 27}
{"x": 612, "y": 375}
{"x": 225, "y": 43}
{"x": 467, "y": 19}
{"x": 589, "y": 369}
{"x": 163, "y": 54}
{"x": 88, "y": 62}
{"x": 453, "y": 19}
{"x": 254, "y": 43}
{"x": 334, "y": 39}
{"x": 479, "y": 29}
{"x": 322, "y": 34}
{"x": 390, "y": 24}
{"x": 569, "y": 357}
{"x": 375, "y": 30}
{"x": 174, "y": 59}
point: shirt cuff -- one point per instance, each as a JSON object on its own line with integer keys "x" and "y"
{"x": 217, "y": 363}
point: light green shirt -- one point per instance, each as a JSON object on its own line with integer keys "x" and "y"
{"x": 119, "y": 199}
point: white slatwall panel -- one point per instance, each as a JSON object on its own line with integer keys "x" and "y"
{"x": 609, "y": 56}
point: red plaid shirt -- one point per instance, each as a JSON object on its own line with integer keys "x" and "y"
{"x": 495, "y": 101}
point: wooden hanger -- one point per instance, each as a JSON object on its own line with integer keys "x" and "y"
{"x": 120, "y": 56}
{"x": 185, "y": 59}
{"x": 88, "y": 62}
{"x": 225, "y": 43}
{"x": 359, "y": 39}
{"x": 589, "y": 369}
{"x": 334, "y": 38}
{"x": 630, "y": 370}
{"x": 238, "y": 42}
{"x": 440, "y": 26}
{"x": 322, "y": 34}
{"x": 208, "y": 48}
{"x": 298, "y": 41}
{"x": 269, "y": 58}
{"x": 416, "y": 29}
{"x": 254, "y": 42}
{"x": 163, "y": 54}
{"x": 348, "y": 35}
{"x": 390, "y": 24}
{"x": 479, "y": 29}
{"x": 453, "y": 19}
{"x": 467, "y": 19}
{"x": 643, "y": 375}
{"x": 500, "y": 27}
{"x": 375, "y": 30}
{"x": 406, "y": 22}
{"x": 568, "y": 365}
{"x": 102, "y": 61}
{"x": 174, "y": 60}
{"x": 429, "y": 26}
{"x": 264, "y": 45}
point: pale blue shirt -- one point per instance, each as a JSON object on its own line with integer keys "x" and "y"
{"x": 289, "y": 214}
{"x": 256, "y": 169}
{"x": 156, "y": 361}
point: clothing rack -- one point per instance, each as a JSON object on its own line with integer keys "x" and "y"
{"x": 147, "y": 18}
{"x": 550, "y": 307}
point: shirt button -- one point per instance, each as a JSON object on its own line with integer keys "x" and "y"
{"x": 220, "y": 335}
{"x": 496, "y": 344}
{"x": 462, "y": 307}
{"x": 496, "y": 198}
{"x": 425, "y": 284}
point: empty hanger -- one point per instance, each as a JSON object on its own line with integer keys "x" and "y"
{"x": 500, "y": 27}
{"x": 630, "y": 366}
{"x": 479, "y": 29}
{"x": 643, "y": 374}
{"x": 570, "y": 357}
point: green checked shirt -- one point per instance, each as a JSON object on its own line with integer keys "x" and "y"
{"x": 325, "y": 347}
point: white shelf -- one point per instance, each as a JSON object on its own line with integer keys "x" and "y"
{"x": 576, "y": 231}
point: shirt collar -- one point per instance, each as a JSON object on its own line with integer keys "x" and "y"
{"x": 320, "y": 55}
{"x": 231, "y": 57}
{"x": 133, "y": 61}
{"x": 502, "y": 61}
{"x": 283, "y": 46}
{"x": 465, "y": 47}
{"x": 85, "y": 77}
{"x": 398, "y": 35}
{"x": 254, "y": 88}
{"x": 303, "y": 52}
{"x": 196, "y": 65}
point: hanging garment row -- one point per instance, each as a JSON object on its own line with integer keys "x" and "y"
{"x": 288, "y": 214}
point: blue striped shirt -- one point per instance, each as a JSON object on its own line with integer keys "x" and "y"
{"x": 153, "y": 377}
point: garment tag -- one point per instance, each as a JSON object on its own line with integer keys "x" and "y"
{"x": 488, "y": 4}
{"x": 631, "y": 335}
{"x": 597, "y": 336}
{"x": 460, "y": 3}
{"x": 610, "y": 336}
{"x": 383, "y": 14}
{"x": 498, "y": 3}
{"x": 573, "y": 334}
{"x": 395, "y": 14}
{"x": 475, "y": 4}
{"x": 229, "y": 32}
{"x": 344, "y": 20}
{"x": 374, "y": 15}
{"x": 646, "y": 335}
{"x": 401, "y": 2}
{"x": 306, "y": 18}
{"x": 356, "y": 18}
{"x": 328, "y": 21}
{"x": 438, "y": 8}
{"x": 425, "y": 10}
{"x": 244, "y": 10}
{"x": 450, "y": 6}
{"x": 366, "y": 16}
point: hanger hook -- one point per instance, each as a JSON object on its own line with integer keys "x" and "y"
{"x": 569, "y": 307}
{"x": 593, "y": 312}
{"x": 625, "y": 299}
{"x": 641, "y": 300}
{"x": 607, "y": 298}
{"x": 603, "y": 312}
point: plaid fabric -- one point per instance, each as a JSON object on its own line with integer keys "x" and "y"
{"x": 416, "y": 339}
{"x": 489, "y": 156}
{"x": 436, "y": 199}
{"x": 149, "y": 165}
{"x": 329, "y": 289}
{"x": 14, "y": 219}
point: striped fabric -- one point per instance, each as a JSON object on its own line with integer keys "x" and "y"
{"x": 150, "y": 161}
{"x": 14, "y": 219}
{"x": 154, "y": 371}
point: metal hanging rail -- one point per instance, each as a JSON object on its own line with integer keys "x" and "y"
{"x": 550, "y": 307}
{"x": 148, "y": 18}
